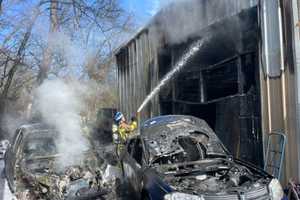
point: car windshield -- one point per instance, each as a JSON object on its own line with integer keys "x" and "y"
{"x": 39, "y": 145}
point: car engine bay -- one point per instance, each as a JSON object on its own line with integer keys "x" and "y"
{"x": 211, "y": 176}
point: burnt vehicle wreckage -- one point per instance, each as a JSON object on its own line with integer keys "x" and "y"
{"x": 32, "y": 170}
{"x": 173, "y": 157}
{"x": 180, "y": 157}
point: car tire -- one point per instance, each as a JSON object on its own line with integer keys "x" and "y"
{"x": 145, "y": 196}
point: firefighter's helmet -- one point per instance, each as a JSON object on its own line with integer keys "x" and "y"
{"x": 118, "y": 116}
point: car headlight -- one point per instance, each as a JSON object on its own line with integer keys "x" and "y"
{"x": 275, "y": 189}
{"x": 181, "y": 196}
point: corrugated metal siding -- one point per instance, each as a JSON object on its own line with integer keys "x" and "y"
{"x": 138, "y": 62}
{"x": 190, "y": 16}
{"x": 298, "y": 3}
{"x": 135, "y": 62}
{"x": 224, "y": 8}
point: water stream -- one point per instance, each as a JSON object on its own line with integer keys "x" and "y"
{"x": 194, "y": 48}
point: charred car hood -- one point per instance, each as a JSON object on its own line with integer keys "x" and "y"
{"x": 161, "y": 132}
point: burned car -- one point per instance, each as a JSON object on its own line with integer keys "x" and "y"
{"x": 180, "y": 157}
{"x": 33, "y": 170}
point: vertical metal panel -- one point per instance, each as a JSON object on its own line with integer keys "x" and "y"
{"x": 126, "y": 82}
{"x": 292, "y": 149}
{"x": 142, "y": 60}
{"x": 129, "y": 85}
{"x": 148, "y": 75}
{"x": 152, "y": 63}
{"x": 120, "y": 63}
{"x": 143, "y": 73}
{"x": 296, "y": 18}
{"x": 118, "y": 79}
{"x": 130, "y": 81}
{"x": 129, "y": 88}
{"x": 138, "y": 86}
{"x": 271, "y": 37}
{"x": 138, "y": 95}
{"x": 123, "y": 80}
{"x": 132, "y": 109}
{"x": 154, "y": 83}
{"x": 141, "y": 69}
{"x": 134, "y": 78}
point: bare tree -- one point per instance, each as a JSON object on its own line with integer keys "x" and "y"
{"x": 78, "y": 16}
{"x": 47, "y": 56}
{"x": 1, "y": 6}
{"x": 11, "y": 63}
{"x": 27, "y": 56}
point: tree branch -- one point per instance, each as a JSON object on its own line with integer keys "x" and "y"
{"x": 19, "y": 56}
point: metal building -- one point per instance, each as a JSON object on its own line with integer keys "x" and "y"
{"x": 243, "y": 81}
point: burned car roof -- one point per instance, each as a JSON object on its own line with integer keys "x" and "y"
{"x": 160, "y": 134}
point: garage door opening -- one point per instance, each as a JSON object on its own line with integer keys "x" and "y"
{"x": 221, "y": 84}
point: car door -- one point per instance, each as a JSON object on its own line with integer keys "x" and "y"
{"x": 132, "y": 166}
{"x": 10, "y": 159}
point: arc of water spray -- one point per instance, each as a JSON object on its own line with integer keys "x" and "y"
{"x": 194, "y": 48}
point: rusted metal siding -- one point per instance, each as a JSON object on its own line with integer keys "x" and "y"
{"x": 278, "y": 99}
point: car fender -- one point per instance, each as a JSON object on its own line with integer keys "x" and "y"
{"x": 154, "y": 186}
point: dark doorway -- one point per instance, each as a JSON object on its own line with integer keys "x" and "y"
{"x": 221, "y": 84}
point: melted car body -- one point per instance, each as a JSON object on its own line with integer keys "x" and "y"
{"x": 34, "y": 171}
{"x": 180, "y": 157}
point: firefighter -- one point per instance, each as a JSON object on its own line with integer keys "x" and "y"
{"x": 122, "y": 130}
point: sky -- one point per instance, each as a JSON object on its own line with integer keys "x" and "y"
{"x": 142, "y": 10}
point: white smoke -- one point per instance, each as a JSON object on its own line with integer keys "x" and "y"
{"x": 16, "y": 114}
{"x": 74, "y": 52}
{"x": 179, "y": 20}
{"x": 60, "y": 104}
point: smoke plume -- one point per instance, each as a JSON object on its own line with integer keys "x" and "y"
{"x": 184, "y": 19}
{"x": 60, "y": 106}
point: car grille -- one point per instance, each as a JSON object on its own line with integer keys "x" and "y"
{"x": 259, "y": 194}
